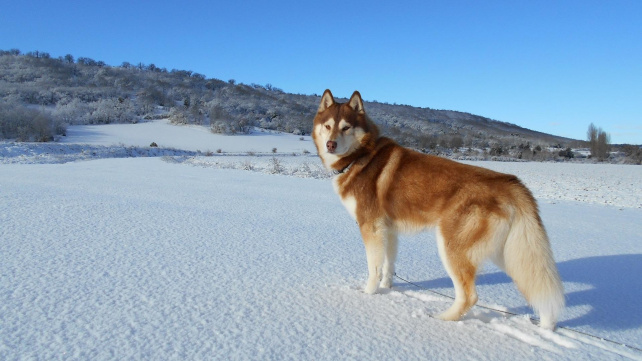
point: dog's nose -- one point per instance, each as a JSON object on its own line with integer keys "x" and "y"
{"x": 331, "y": 145}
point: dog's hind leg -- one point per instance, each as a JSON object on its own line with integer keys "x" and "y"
{"x": 373, "y": 239}
{"x": 390, "y": 258}
{"x": 462, "y": 272}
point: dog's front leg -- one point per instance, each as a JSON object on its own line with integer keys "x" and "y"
{"x": 375, "y": 254}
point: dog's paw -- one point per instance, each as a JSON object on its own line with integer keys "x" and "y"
{"x": 449, "y": 315}
{"x": 370, "y": 288}
{"x": 386, "y": 282}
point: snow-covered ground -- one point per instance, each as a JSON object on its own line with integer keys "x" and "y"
{"x": 191, "y": 138}
{"x": 178, "y": 255}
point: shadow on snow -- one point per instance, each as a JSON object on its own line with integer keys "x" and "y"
{"x": 614, "y": 293}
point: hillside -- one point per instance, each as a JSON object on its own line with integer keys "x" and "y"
{"x": 42, "y": 95}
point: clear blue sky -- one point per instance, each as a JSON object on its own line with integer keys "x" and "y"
{"x": 551, "y": 66}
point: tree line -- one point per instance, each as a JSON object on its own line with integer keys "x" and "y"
{"x": 41, "y": 95}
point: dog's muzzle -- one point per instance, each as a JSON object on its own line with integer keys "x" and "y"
{"x": 331, "y": 146}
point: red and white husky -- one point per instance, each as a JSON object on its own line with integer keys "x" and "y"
{"x": 478, "y": 214}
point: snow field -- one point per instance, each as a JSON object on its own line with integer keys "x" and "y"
{"x": 182, "y": 256}
{"x": 189, "y": 137}
{"x": 602, "y": 184}
{"x": 605, "y": 184}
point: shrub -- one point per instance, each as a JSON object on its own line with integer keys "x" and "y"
{"x": 71, "y": 112}
{"x": 248, "y": 165}
{"x": 496, "y": 150}
{"x": 566, "y": 153}
{"x": 106, "y": 111}
{"x": 220, "y": 127}
{"x": 633, "y": 154}
{"x": 178, "y": 116}
{"x": 27, "y": 124}
{"x": 275, "y": 166}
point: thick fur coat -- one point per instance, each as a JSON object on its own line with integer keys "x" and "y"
{"x": 478, "y": 214}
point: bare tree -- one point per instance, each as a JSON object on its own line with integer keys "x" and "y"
{"x": 603, "y": 140}
{"x": 598, "y": 142}
{"x": 591, "y": 136}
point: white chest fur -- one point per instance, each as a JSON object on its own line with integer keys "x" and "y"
{"x": 348, "y": 201}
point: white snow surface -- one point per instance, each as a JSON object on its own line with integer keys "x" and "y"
{"x": 188, "y": 137}
{"x": 167, "y": 254}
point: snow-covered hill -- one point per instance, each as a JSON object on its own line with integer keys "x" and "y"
{"x": 93, "y": 92}
{"x": 186, "y": 256}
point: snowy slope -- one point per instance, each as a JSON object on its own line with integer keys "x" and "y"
{"x": 192, "y": 138}
{"x": 149, "y": 258}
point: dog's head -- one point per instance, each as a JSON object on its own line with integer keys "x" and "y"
{"x": 340, "y": 129}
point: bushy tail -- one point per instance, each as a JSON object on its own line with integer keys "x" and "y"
{"x": 528, "y": 260}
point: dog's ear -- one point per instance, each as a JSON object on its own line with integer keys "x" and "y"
{"x": 326, "y": 101}
{"x": 356, "y": 103}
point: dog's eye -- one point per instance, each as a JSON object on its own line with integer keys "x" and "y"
{"x": 345, "y": 129}
{"x": 327, "y": 127}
